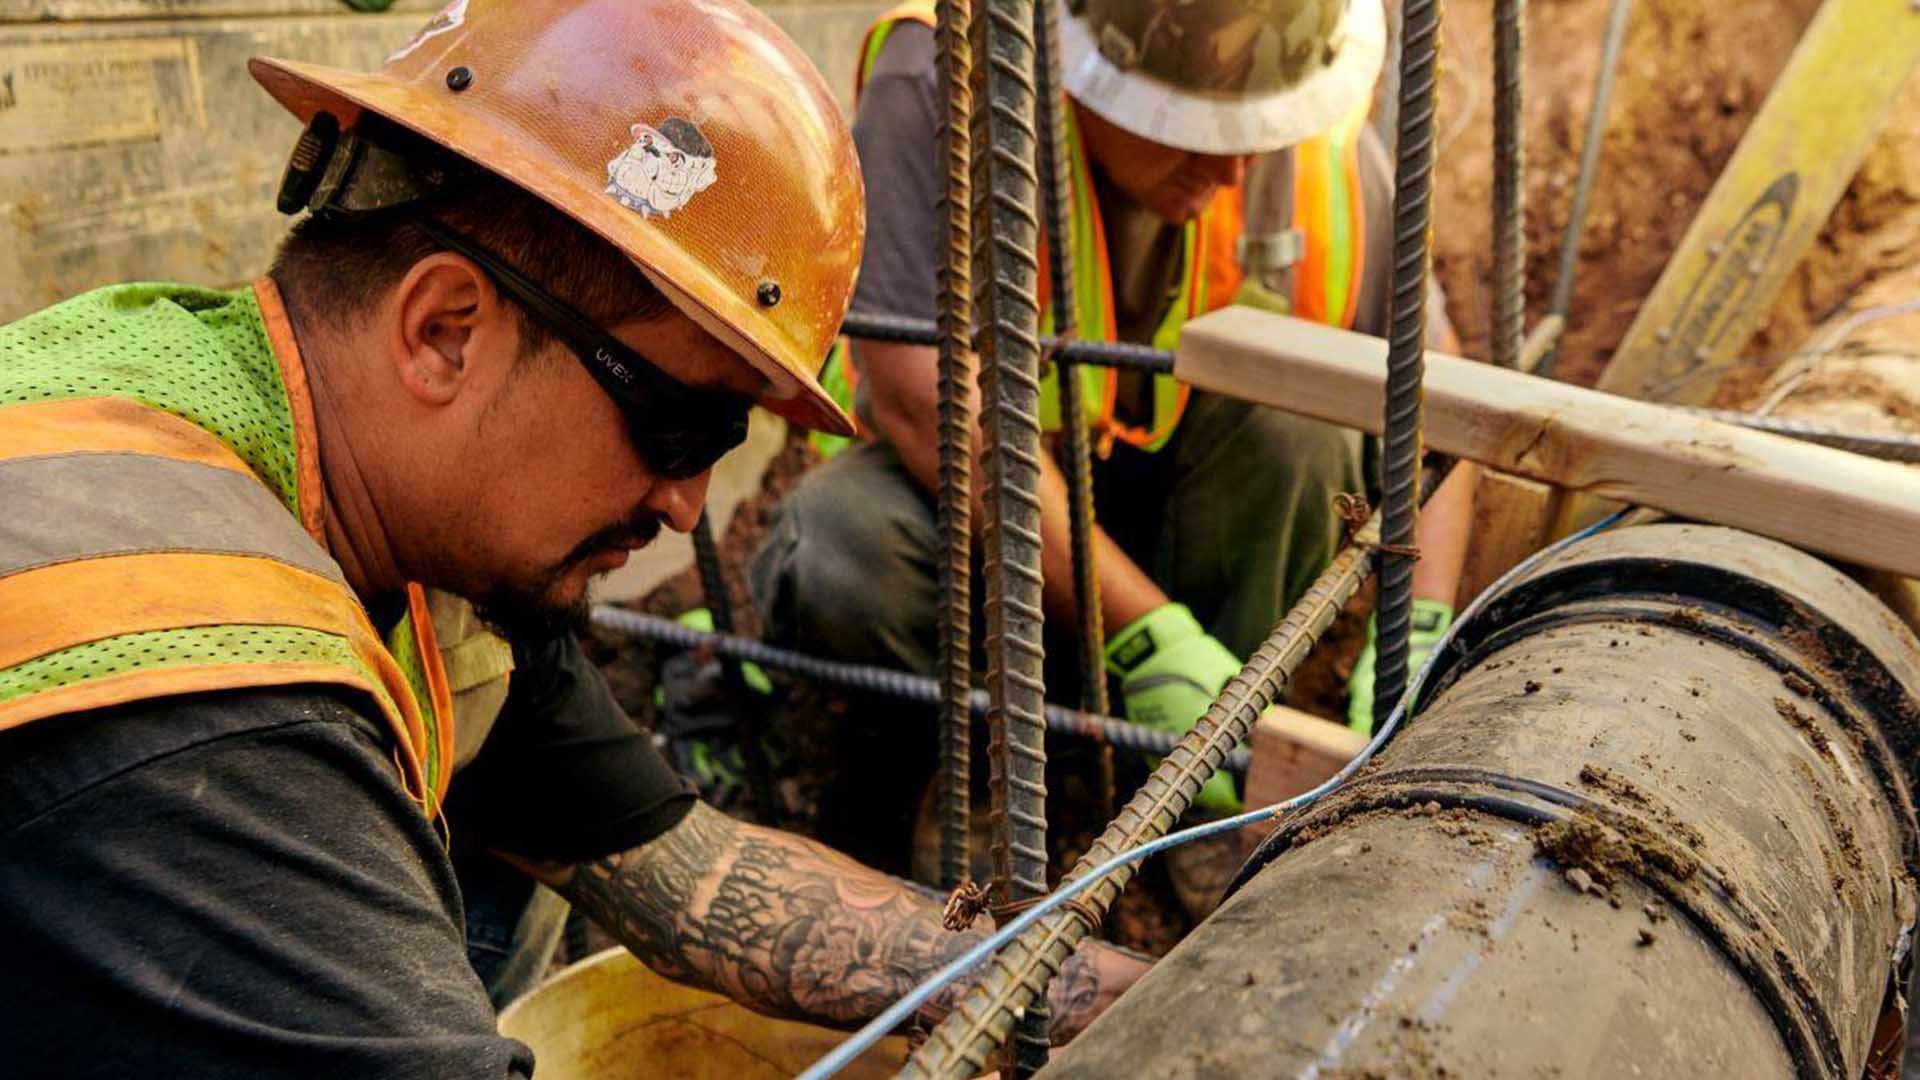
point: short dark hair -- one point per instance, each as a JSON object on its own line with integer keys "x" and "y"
{"x": 334, "y": 269}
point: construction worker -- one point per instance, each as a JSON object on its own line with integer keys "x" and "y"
{"x": 1218, "y": 154}
{"x": 558, "y": 248}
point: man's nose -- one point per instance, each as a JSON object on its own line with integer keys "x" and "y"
{"x": 680, "y": 501}
{"x": 1226, "y": 170}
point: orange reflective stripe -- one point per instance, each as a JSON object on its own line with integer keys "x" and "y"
{"x": 108, "y": 425}
{"x": 1310, "y": 195}
{"x": 66, "y": 604}
{"x": 1357, "y": 232}
{"x": 1224, "y": 223}
{"x": 293, "y": 376}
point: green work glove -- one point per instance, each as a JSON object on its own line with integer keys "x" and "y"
{"x": 1170, "y": 670}
{"x": 1430, "y": 621}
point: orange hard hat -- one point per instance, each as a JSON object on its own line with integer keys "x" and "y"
{"x": 693, "y": 135}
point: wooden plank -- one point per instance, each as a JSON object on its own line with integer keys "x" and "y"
{"x": 1828, "y": 501}
{"x": 1511, "y": 515}
{"x": 1770, "y": 202}
{"x": 1293, "y": 752}
{"x": 142, "y": 150}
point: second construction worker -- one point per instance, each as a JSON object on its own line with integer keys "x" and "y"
{"x": 1219, "y": 154}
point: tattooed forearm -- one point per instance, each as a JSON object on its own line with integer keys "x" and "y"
{"x": 788, "y": 927}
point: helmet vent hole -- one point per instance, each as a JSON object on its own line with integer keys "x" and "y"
{"x": 459, "y": 78}
{"x": 768, "y": 293}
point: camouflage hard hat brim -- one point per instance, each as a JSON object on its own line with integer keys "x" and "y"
{"x": 1223, "y": 76}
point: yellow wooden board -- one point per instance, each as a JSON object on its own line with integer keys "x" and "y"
{"x": 1771, "y": 201}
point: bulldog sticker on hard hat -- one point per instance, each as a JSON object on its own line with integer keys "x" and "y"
{"x": 446, "y": 19}
{"x": 663, "y": 169}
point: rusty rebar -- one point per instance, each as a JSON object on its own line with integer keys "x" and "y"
{"x": 953, "y": 62}
{"x": 1406, "y": 352}
{"x": 1509, "y": 181}
{"x": 1005, "y": 225}
{"x": 1056, "y": 186}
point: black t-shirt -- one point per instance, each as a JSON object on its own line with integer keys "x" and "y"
{"x": 235, "y": 884}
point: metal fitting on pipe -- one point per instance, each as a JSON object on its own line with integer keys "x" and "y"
{"x": 1653, "y": 816}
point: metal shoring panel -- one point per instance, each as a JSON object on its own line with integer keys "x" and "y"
{"x": 1056, "y": 189}
{"x": 1005, "y": 227}
{"x": 1509, "y": 181}
{"x": 953, "y": 62}
{"x": 1406, "y": 352}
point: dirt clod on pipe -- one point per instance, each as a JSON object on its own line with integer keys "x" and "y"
{"x": 1653, "y": 817}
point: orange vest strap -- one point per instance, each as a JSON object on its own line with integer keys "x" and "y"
{"x": 66, "y": 604}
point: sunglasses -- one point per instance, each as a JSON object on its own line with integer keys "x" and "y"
{"x": 679, "y": 431}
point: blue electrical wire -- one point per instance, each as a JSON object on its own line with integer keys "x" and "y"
{"x": 904, "y": 1009}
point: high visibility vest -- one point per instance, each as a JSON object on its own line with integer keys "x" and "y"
{"x": 1328, "y": 215}
{"x": 164, "y": 529}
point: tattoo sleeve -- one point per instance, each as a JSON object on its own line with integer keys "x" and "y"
{"x": 791, "y": 928}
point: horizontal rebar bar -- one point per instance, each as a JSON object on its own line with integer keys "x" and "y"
{"x": 903, "y": 330}
{"x": 878, "y": 680}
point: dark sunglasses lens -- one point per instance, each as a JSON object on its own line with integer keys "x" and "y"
{"x": 685, "y": 447}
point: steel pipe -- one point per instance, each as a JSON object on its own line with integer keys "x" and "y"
{"x": 1652, "y": 816}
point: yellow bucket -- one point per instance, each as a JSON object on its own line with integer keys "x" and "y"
{"x": 609, "y": 1018}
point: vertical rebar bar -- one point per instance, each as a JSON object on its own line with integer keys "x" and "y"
{"x": 1589, "y": 161}
{"x": 1406, "y": 345}
{"x": 1056, "y": 187}
{"x": 1509, "y": 181}
{"x": 746, "y": 710}
{"x": 1006, "y": 267}
{"x": 953, "y": 63}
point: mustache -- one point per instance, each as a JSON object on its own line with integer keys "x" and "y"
{"x": 637, "y": 531}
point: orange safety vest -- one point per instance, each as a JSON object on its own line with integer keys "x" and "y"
{"x": 143, "y": 556}
{"x": 1328, "y": 213}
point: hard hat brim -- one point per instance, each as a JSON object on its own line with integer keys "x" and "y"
{"x": 304, "y": 89}
{"x": 1228, "y": 123}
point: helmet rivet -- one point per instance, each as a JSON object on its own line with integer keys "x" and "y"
{"x": 769, "y": 293}
{"x": 459, "y": 78}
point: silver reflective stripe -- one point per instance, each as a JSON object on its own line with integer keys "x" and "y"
{"x": 64, "y": 507}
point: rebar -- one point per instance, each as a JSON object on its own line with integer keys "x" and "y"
{"x": 1406, "y": 352}
{"x": 906, "y": 330}
{"x": 867, "y": 678}
{"x": 1056, "y": 186}
{"x": 753, "y": 751}
{"x": 1509, "y": 181}
{"x": 1904, "y": 448}
{"x": 1589, "y": 162}
{"x": 953, "y": 63}
{"x": 1017, "y": 976}
{"x": 1004, "y": 193}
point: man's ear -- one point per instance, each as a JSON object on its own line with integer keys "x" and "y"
{"x": 448, "y": 320}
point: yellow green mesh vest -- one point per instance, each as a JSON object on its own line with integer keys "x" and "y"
{"x": 164, "y": 534}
